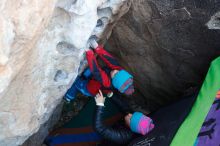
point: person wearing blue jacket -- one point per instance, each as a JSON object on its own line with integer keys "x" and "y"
{"x": 106, "y": 79}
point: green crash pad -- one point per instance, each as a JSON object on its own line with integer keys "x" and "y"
{"x": 188, "y": 131}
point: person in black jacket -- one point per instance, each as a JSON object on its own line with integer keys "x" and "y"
{"x": 136, "y": 124}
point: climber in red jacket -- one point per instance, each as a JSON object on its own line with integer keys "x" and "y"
{"x": 106, "y": 79}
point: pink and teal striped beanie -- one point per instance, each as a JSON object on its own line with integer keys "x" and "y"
{"x": 140, "y": 123}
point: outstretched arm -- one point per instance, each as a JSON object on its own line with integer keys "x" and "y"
{"x": 109, "y": 60}
{"x": 120, "y": 136}
{"x": 99, "y": 74}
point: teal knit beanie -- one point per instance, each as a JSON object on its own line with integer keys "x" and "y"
{"x": 122, "y": 80}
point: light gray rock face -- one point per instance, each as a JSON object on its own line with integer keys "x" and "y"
{"x": 167, "y": 45}
{"x": 41, "y": 46}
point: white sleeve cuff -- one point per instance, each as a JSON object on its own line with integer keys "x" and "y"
{"x": 100, "y": 104}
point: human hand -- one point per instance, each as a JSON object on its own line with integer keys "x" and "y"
{"x": 110, "y": 94}
{"x": 93, "y": 43}
{"x": 99, "y": 99}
